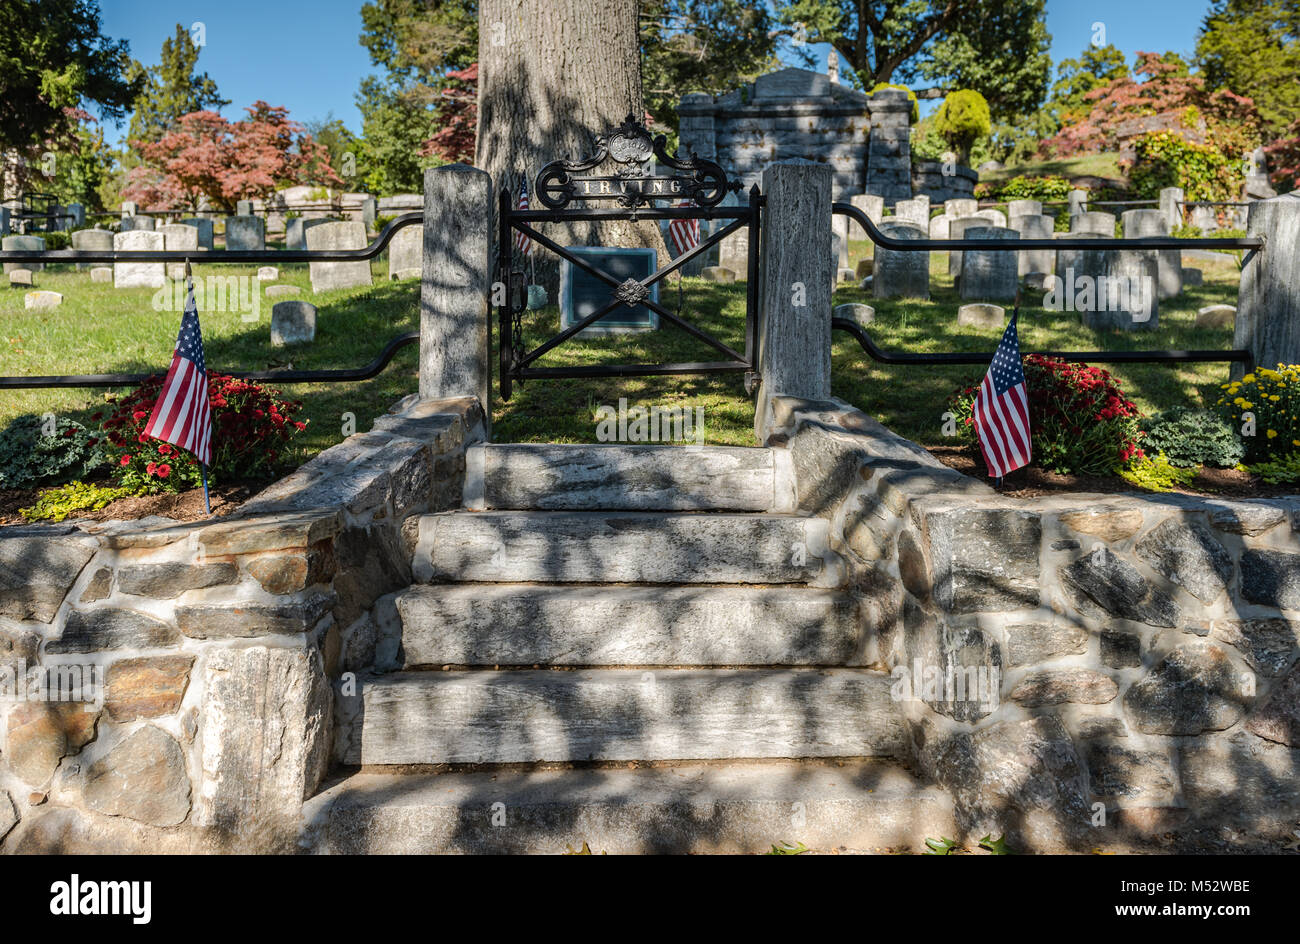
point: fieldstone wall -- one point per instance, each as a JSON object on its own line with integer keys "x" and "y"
{"x": 1082, "y": 670}
{"x": 205, "y": 652}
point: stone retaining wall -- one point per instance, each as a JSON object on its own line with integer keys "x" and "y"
{"x": 1140, "y": 649}
{"x": 214, "y": 644}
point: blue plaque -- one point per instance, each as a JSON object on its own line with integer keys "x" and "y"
{"x": 582, "y": 294}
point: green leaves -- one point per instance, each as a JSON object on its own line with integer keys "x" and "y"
{"x": 787, "y": 848}
{"x": 29, "y": 457}
{"x": 996, "y": 846}
{"x": 56, "y": 504}
{"x": 940, "y": 846}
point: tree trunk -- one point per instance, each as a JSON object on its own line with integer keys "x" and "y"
{"x": 553, "y": 74}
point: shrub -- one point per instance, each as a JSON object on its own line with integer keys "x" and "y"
{"x": 1081, "y": 422}
{"x": 57, "y": 239}
{"x": 1157, "y": 474}
{"x": 1267, "y": 404}
{"x": 29, "y": 457}
{"x": 961, "y": 120}
{"x": 250, "y": 427}
{"x": 1281, "y": 471}
{"x": 383, "y": 220}
{"x": 1049, "y": 187}
{"x": 1188, "y": 438}
{"x": 55, "y": 504}
{"x": 1164, "y": 159}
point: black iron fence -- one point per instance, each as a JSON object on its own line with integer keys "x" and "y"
{"x": 1250, "y": 243}
{"x": 221, "y": 257}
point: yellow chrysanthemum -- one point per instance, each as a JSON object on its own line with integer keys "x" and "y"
{"x": 1272, "y": 433}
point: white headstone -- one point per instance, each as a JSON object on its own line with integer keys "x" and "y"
{"x": 138, "y": 274}
{"x": 334, "y": 275}
{"x": 293, "y": 322}
{"x": 406, "y": 251}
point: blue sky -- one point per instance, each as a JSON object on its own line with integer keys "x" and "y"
{"x": 304, "y": 54}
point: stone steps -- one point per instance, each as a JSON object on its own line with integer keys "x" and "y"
{"x": 583, "y": 625}
{"x": 531, "y": 716}
{"x": 865, "y": 805}
{"x": 624, "y": 547}
{"x": 548, "y": 477}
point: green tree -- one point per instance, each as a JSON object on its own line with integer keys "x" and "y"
{"x": 1253, "y": 48}
{"x": 54, "y": 63}
{"x": 333, "y": 135}
{"x": 709, "y": 46}
{"x": 996, "y": 47}
{"x": 1075, "y": 78}
{"x": 393, "y": 130}
{"x": 171, "y": 89}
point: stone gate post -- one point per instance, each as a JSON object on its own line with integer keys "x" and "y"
{"x": 1268, "y": 301}
{"x": 456, "y": 283}
{"x": 797, "y": 270}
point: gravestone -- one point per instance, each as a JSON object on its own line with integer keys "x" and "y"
{"x": 1082, "y": 262}
{"x": 92, "y": 240}
{"x": 898, "y": 273}
{"x": 78, "y": 214}
{"x": 1078, "y": 200}
{"x": 267, "y": 273}
{"x": 138, "y": 274}
{"x": 959, "y": 207}
{"x": 939, "y": 226}
{"x": 1093, "y": 223}
{"x": 369, "y": 210}
{"x": 840, "y": 230}
{"x": 204, "y": 227}
{"x": 21, "y": 277}
{"x": 1193, "y": 276}
{"x": 839, "y": 251}
{"x": 982, "y": 316}
{"x": 405, "y": 253}
{"x": 294, "y": 237}
{"x": 916, "y": 210}
{"x": 293, "y": 322}
{"x": 957, "y": 230}
{"x": 245, "y": 233}
{"x": 42, "y": 300}
{"x": 179, "y": 238}
{"x": 101, "y": 274}
{"x": 281, "y": 291}
{"x": 1216, "y": 316}
{"x": 1171, "y": 207}
{"x": 136, "y": 224}
{"x": 129, "y": 208}
{"x": 989, "y": 275}
{"x": 1037, "y": 226}
{"x": 335, "y": 275}
{"x": 1169, "y": 264}
{"x": 23, "y": 244}
{"x": 1125, "y": 297}
{"x": 993, "y": 217}
{"x": 4, "y": 221}
{"x": 874, "y": 207}
{"x": 1024, "y": 208}
{"x": 244, "y": 208}
{"x": 1205, "y": 219}
{"x": 734, "y": 253}
{"x": 856, "y": 312}
{"x": 176, "y": 271}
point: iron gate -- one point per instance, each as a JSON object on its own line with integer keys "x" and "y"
{"x": 568, "y": 195}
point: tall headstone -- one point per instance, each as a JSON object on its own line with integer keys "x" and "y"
{"x": 989, "y": 275}
{"x": 405, "y": 253}
{"x": 333, "y": 275}
{"x": 456, "y": 283}
{"x": 296, "y": 229}
{"x": 1024, "y": 208}
{"x": 797, "y": 269}
{"x": 77, "y": 212}
{"x": 4, "y": 221}
{"x": 97, "y": 240}
{"x": 899, "y": 273}
{"x": 136, "y": 224}
{"x": 992, "y": 217}
{"x": 889, "y": 150}
{"x": 1089, "y": 263}
{"x": 939, "y": 226}
{"x": 245, "y": 233}
{"x": 1169, "y": 266}
{"x": 129, "y": 208}
{"x": 1034, "y": 226}
{"x": 244, "y": 208}
{"x": 916, "y": 210}
{"x": 23, "y": 244}
{"x": 1078, "y": 202}
{"x": 204, "y": 228}
{"x": 1171, "y": 207}
{"x": 1268, "y": 299}
{"x": 959, "y": 207}
{"x": 1205, "y": 219}
{"x": 179, "y": 237}
{"x": 957, "y": 230}
{"x": 138, "y": 274}
{"x": 1126, "y": 297}
{"x": 369, "y": 210}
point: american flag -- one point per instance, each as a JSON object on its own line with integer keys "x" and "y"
{"x": 522, "y": 243}
{"x": 182, "y": 415}
{"x": 1001, "y": 411}
{"x": 685, "y": 233}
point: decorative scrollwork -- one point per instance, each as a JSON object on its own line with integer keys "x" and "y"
{"x": 631, "y": 293}
{"x": 631, "y": 145}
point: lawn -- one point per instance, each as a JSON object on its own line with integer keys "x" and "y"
{"x": 100, "y": 329}
{"x": 1105, "y": 164}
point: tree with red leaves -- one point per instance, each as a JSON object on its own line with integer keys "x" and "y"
{"x": 458, "y": 118}
{"x": 207, "y": 156}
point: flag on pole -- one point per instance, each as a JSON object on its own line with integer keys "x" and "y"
{"x": 1001, "y": 411}
{"x": 523, "y": 243}
{"x": 182, "y": 415}
{"x": 684, "y": 233}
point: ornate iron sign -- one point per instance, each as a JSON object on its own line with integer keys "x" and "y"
{"x": 630, "y": 144}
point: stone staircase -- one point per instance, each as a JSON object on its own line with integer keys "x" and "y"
{"x": 640, "y": 647}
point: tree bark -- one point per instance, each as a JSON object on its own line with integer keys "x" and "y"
{"x": 553, "y": 74}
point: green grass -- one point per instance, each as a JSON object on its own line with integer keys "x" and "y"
{"x": 1085, "y": 165}
{"x": 100, "y": 329}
